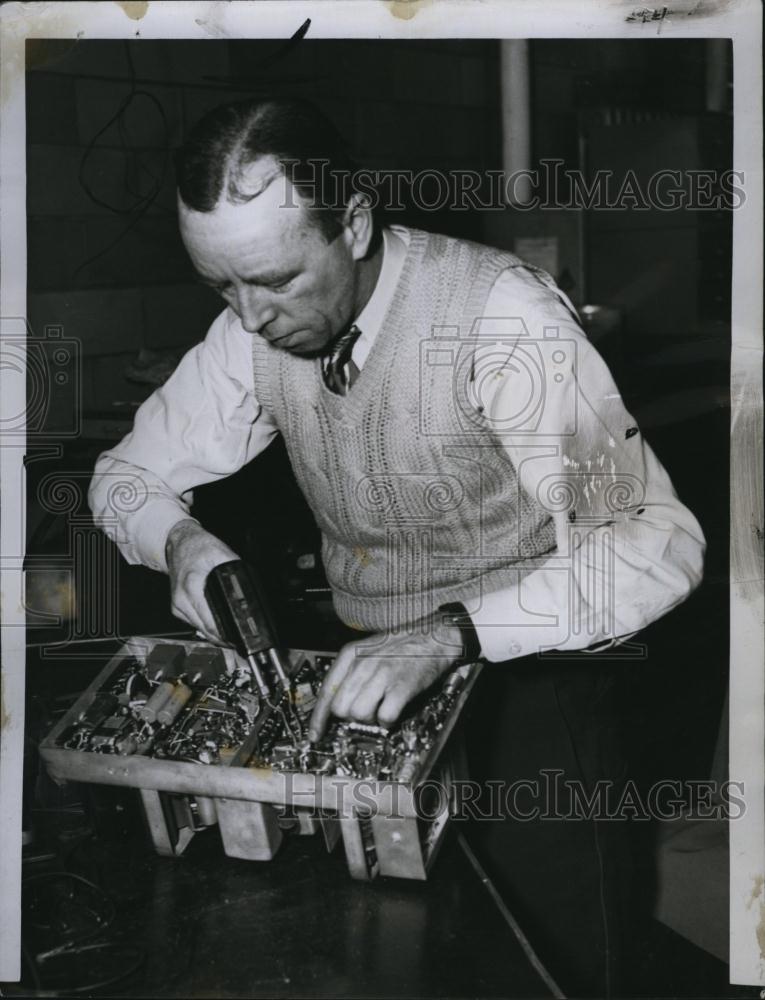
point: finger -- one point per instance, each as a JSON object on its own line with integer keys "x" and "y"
{"x": 186, "y": 610}
{"x": 359, "y": 680}
{"x": 203, "y": 612}
{"x": 363, "y": 704}
{"x": 210, "y": 627}
{"x": 329, "y": 688}
{"x": 212, "y": 639}
{"x": 395, "y": 701}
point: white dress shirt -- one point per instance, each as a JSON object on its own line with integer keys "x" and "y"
{"x": 618, "y": 566}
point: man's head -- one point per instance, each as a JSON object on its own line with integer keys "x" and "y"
{"x": 264, "y": 227}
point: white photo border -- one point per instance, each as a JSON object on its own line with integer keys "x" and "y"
{"x": 739, "y": 20}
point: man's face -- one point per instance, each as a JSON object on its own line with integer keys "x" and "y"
{"x": 273, "y": 266}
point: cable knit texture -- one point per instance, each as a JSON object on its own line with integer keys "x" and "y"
{"x": 416, "y": 500}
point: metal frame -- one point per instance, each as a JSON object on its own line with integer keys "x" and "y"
{"x": 386, "y": 836}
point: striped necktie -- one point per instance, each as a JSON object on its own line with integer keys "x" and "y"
{"x": 337, "y": 368}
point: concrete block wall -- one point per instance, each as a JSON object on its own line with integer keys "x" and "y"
{"x": 105, "y": 260}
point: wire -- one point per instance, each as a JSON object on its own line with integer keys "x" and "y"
{"x": 103, "y": 921}
{"x": 82, "y": 944}
{"x": 118, "y": 119}
{"x": 278, "y": 708}
{"x": 32, "y": 966}
{"x": 104, "y": 946}
{"x": 142, "y": 202}
{"x": 513, "y": 924}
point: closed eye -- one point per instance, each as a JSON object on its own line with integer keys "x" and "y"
{"x": 275, "y": 282}
{"x": 281, "y": 286}
{"x": 217, "y": 286}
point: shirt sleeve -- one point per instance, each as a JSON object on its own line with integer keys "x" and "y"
{"x": 627, "y": 550}
{"x": 202, "y": 425}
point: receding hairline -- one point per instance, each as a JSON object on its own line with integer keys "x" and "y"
{"x": 304, "y": 222}
{"x": 232, "y": 192}
{"x": 309, "y": 215}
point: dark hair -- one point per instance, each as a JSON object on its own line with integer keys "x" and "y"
{"x": 229, "y": 138}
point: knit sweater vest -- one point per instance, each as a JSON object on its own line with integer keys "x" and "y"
{"x": 417, "y": 502}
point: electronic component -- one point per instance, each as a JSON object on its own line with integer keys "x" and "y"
{"x": 203, "y": 712}
{"x": 99, "y": 709}
{"x": 176, "y": 705}
{"x": 148, "y": 711}
{"x": 202, "y": 706}
{"x": 165, "y": 661}
{"x": 171, "y": 707}
{"x": 354, "y": 749}
{"x": 203, "y": 666}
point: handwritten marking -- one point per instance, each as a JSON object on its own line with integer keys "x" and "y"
{"x": 646, "y": 14}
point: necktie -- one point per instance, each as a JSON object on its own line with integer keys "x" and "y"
{"x": 337, "y": 368}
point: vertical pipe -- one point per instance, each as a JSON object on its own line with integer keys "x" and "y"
{"x": 716, "y": 84}
{"x": 516, "y": 119}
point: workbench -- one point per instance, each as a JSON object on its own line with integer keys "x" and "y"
{"x": 297, "y": 926}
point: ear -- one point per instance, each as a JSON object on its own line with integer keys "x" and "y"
{"x": 359, "y": 225}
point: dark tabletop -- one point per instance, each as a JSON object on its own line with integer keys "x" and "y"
{"x": 205, "y": 925}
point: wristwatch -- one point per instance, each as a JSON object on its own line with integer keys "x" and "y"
{"x": 456, "y": 614}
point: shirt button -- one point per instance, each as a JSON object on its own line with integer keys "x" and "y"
{"x": 515, "y": 648}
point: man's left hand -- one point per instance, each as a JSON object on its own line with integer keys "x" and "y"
{"x": 373, "y": 679}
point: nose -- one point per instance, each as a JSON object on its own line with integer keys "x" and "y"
{"x": 254, "y": 310}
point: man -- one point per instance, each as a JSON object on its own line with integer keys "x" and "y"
{"x": 479, "y": 487}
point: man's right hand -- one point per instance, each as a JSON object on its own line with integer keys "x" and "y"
{"x": 191, "y": 553}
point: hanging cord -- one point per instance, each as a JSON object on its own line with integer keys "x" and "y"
{"x": 142, "y": 202}
{"x": 512, "y": 923}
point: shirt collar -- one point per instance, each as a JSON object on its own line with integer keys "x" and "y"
{"x": 371, "y": 317}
